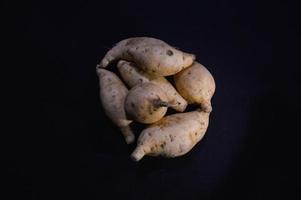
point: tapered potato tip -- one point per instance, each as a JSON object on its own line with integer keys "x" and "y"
{"x": 128, "y": 134}
{"x": 129, "y": 139}
{"x": 105, "y": 62}
{"x": 137, "y": 154}
{"x": 99, "y": 69}
{"x": 206, "y": 107}
{"x": 188, "y": 59}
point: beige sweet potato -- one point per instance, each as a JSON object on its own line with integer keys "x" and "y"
{"x": 132, "y": 76}
{"x": 154, "y": 56}
{"x": 146, "y": 103}
{"x": 196, "y": 85}
{"x": 172, "y": 136}
{"x": 112, "y": 96}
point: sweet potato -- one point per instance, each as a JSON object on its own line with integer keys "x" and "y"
{"x": 112, "y": 96}
{"x": 196, "y": 85}
{"x": 154, "y": 56}
{"x": 146, "y": 103}
{"x": 173, "y": 135}
{"x": 132, "y": 76}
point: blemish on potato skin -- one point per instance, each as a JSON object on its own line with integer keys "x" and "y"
{"x": 171, "y": 138}
{"x": 163, "y": 145}
{"x": 169, "y": 52}
{"x": 140, "y": 80}
{"x": 133, "y": 105}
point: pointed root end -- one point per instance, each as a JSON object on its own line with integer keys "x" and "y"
{"x": 129, "y": 139}
{"x": 128, "y": 134}
{"x": 137, "y": 154}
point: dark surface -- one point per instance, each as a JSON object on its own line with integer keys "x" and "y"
{"x": 61, "y": 146}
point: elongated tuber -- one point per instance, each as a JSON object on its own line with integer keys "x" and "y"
{"x": 132, "y": 76}
{"x": 112, "y": 96}
{"x": 154, "y": 56}
{"x": 196, "y": 85}
{"x": 172, "y": 136}
{"x": 146, "y": 103}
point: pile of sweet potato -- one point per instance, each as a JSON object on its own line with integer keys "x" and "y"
{"x": 143, "y": 63}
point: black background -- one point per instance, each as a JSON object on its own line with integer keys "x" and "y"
{"x": 61, "y": 146}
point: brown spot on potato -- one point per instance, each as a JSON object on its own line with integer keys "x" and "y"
{"x": 195, "y": 133}
{"x": 169, "y": 52}
{"x": 163, "y": 145}
{"x": 171, "y": 138}
{"x": 133, "y": 105}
